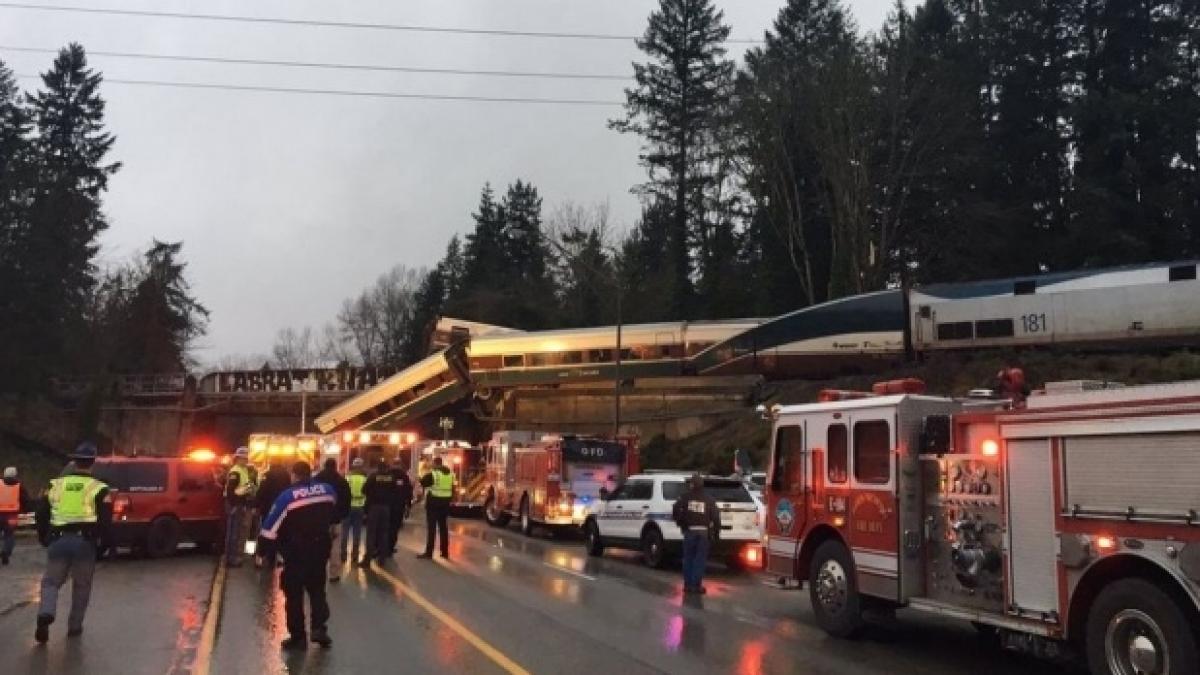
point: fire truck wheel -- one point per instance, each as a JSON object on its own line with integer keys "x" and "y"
{"x": 834, "y": 590}
{"x": 526, "y": 520}
{"x": 654, "y": 553}
{"x": 495, "y": 516}
{"x": 163, "y": 537}
{"x": 593, "y": 542}
{"x": 1135, "y": 628}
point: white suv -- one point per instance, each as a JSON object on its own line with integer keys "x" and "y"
{"x": 637, "y": 515}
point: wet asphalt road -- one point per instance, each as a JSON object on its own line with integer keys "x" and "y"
{"x": 535, "y": 603}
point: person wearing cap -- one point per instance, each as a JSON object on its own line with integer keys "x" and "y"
{"x": 439, "y": 484}
{"x": 352, "y": 526}
{"x": 299, "y": 525}
{"x": 14, "y": 501}
{"x": 71, "y": 519}
{"x": 696, "y": 513}
{"x": 239, "y": 489}
{"x": 273, "y": 483}
{"x": 380, "y": 492}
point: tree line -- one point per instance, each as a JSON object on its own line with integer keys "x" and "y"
{"x": 961, "y": 140}
{"x": 61, "y": 315}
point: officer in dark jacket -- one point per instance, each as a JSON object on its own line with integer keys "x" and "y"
{"x": 299, "y": 524}
{"x": 273, "y": 483}
{"x": 697, "y": 515}
{"x": 380, "y": 492}
{"x": 404, "y": 495}
{"x": 330, "y": 476}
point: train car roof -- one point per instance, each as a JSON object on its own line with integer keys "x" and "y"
{"x": 1101, "y": 277}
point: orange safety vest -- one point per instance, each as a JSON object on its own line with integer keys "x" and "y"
{"x": 10, "y": 498}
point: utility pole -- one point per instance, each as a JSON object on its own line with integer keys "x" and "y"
{"x": 446, "y": 423}
{"x": 617, "y": 371}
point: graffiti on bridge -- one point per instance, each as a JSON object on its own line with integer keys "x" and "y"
{"x": 294, "y": 380}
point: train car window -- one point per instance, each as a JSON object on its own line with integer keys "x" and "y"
{"x": 1183, "y": 273}
{"x": 872, "y": 453}
{"x": 572, "y": 358}
{"x": 788, "y": 473}
{"x": 837, "y": 460}
{"x": 1025, "y": 287}
{"x": 514, "y": 361}
{"x": 600, "y": 356}
{"x": 994, "y": 328}
{"x": 959, "y": 330}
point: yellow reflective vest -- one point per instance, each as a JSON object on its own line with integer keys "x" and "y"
{"x": 443, "y": 484}
{"x": 73, "y": 500}
{"x": 357, "y": 498}
{"x": 245, "y": 485}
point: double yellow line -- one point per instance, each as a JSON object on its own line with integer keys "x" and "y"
{"x": 208, "y": 635}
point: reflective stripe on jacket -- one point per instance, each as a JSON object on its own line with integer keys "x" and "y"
{"x": 73, "y": 500}
{"x": 357, "y": 498}
{"x": 443, "y": 484}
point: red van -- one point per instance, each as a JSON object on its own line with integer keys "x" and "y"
{"x": 161, "y": 501}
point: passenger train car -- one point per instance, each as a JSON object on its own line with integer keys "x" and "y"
{"x": 1142, "y": 304}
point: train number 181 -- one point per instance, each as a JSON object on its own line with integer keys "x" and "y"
{"x": 1035, "y": 323}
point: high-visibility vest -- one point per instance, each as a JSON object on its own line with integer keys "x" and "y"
{"x": 357, "y": 498}
{"x": 10, "y": 498}
{"x": 245, "y": 483}
{"x": 443, "y": 484}
{"x": 73, "y": 500}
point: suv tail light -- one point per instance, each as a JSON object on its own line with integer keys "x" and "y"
{"x": 121, "y": 507}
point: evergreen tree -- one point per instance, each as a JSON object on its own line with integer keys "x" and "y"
{"x": 162, "y": 318}
{"x": 15, "y": 180}
{"x": 645, "y": 275}
{"x": 677, "y": 107}
{"x": 427, "y": 306}
{"x": 64, "y": 219}
{"x": 1137, "y": 121}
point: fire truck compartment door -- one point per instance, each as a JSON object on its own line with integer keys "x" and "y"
{"x": 1032, "y": 545}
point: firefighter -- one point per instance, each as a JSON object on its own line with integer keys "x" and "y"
{"x": 299, "y": 526}
{"x": 403, "y": 497}
{"x": 71, "y": 520}
{"x": 352, "y": 526}
{"x": 239, "y": 490}
{"x": 380, "y": 492}
{"x": 14, "y": 501}
{"x": 439, "y": 483}
{"x": 695, "y": 512}
{"x": 330, "y": 476}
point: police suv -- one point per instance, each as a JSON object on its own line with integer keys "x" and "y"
{"x": 637, "y": 516}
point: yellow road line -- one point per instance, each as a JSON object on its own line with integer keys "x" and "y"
{"x": 208, "y": 635}
{"x": 465, "y": 633}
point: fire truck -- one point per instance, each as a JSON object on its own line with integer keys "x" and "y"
{"x": 550, "y": 480}
{"x": 1067, "y": 525}
{"x": 371, "y": 446}
{"x": 287, "y": 448}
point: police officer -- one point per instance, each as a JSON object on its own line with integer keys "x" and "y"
{"x": 70, "y": 521}
{"x": 403, "y": 498}
{"x": 330, "y": 476}
{"x": 239, "y": 489}
{"x": 695, "y": 512}
{"x": 274, "y": 482}
{"x": 352, "y": 526}
{"x": 439, "y": 483}
{"x": 14, "y": 501}
{"x": 299, "y": 526}
{"x": 380, "y": 491}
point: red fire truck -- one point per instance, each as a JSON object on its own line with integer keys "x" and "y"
{"x": 1070, "y": 524}
{"x": 550, "y": 480}
{"x": 465, "y": 461}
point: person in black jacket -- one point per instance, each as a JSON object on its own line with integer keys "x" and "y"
{"x": 299, "y": 523}
{"x": 404, "y": 495}
{"x": 330, "y": 476}
{"x": 380, "y": 492}
{"x": 696, "y": 513}
{"x": 273, "y": 483}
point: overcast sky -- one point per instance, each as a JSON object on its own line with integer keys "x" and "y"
{"x": 288, "y": 203}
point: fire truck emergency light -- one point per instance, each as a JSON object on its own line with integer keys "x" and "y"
{"x": 364, "y": 438}
{"x": 394, "y": 438}
{"x": 202, "y": 455}
{"x": 1105, "y": 543}
{"x": 348, "y": 437}
{"x": 989, "y": 447}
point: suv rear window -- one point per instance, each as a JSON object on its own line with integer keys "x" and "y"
{"x": 133, "y": 476}
{"x": 721, "y": 490}
{"x": 196, "y": 477}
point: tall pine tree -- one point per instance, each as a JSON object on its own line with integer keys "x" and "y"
{"x": 677, "y": 108}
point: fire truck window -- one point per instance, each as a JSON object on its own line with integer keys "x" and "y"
{"x": 872, "y": 453}
{"x": 837, "y": 461}
{"x": 789, "y": 460}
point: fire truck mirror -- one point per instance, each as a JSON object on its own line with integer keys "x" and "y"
{"x": 935, "y": 435}
{"x": 604, "y": 493}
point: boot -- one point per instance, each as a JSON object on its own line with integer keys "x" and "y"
{"x": 42, "y": 633}
{"x": 295, "y": 642}
{"x": 321, "y": 636}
